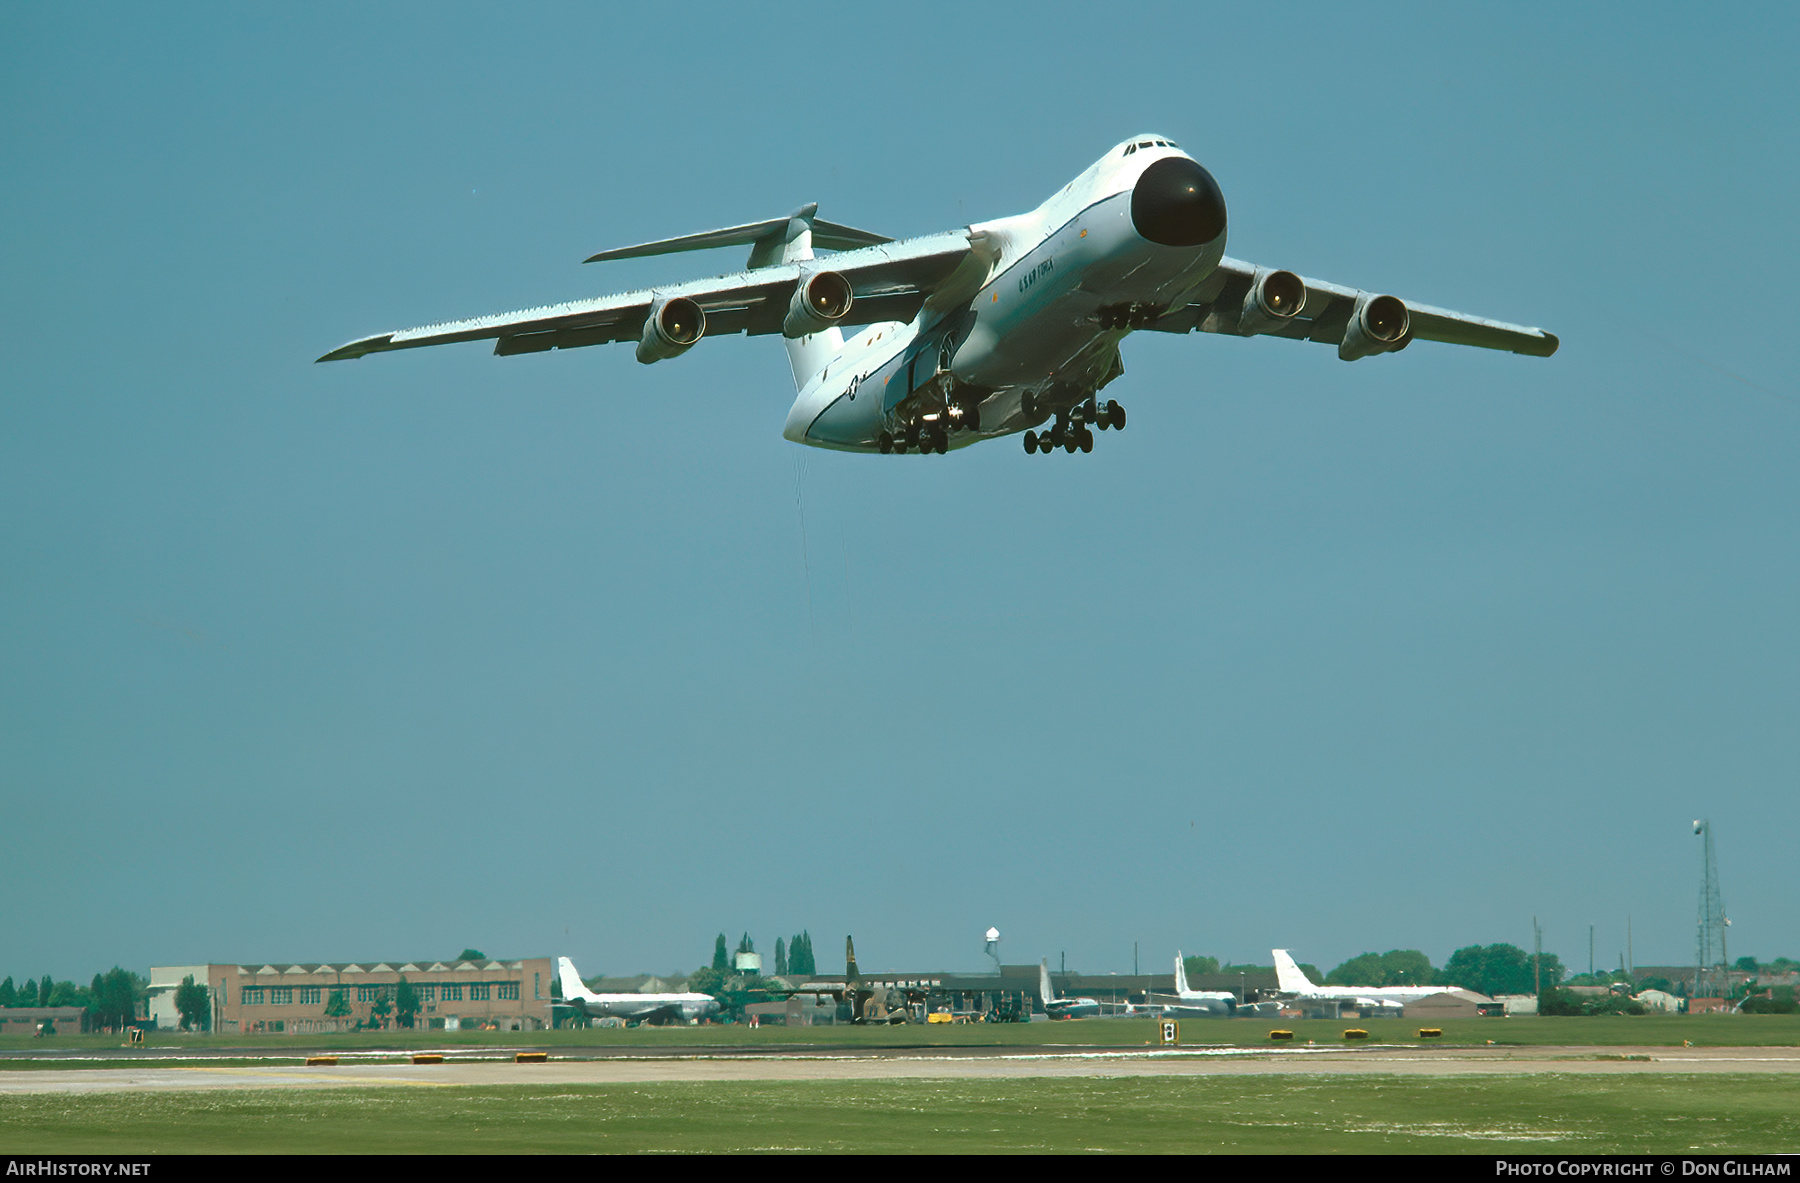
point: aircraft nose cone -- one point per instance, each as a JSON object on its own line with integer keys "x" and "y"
{"x": 1177, "y": 203}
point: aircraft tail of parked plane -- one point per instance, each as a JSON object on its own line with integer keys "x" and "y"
{"x": 1289, "y": 976}
{"x": 1063, "y": 1008}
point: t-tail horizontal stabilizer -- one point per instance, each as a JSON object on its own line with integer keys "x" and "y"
{"x": 766, "y": 237}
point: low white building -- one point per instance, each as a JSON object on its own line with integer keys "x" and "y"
{"x": 164, "y": 980}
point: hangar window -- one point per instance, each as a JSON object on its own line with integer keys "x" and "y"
{"x": 478, "y": 992}
{"x": 309, "y": 995}
{"x": 509, "y": 991}
{"x": 250, "y": 996}
{"x": 452, "y": 992}
{"x": 282, "y": 996}
{"x": 427, "y": 993}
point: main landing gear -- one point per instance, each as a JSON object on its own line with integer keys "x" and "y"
{"x": 1071, "y": 432}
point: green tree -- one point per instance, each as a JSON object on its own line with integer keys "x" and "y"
{"x": 472, "y": 955}
{"x": 112, "y": 999}
{"x": 1500, "y": 969}
{"x": 45, "y": 985}
{"x": 721, "y": 959}
{"x": 381, "y": 1008}
{"x": 1196, "y": 966}
{"x": 800, "y": 955}
{"x": 781, "y": 962}
{"x": 1745, "y": 965}
{"x": 9, "y": 994}
{"x": 1396, "y": 967}
{"x": 707, "y": 980}
{"x": 337, "y": 1006}
{"x": 406, "y": 1003}
{"x": 193, "y": 1002}
{"x": 1361, "y": 970}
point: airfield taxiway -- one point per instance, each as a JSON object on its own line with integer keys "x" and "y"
{"x": 925, "y": 1064}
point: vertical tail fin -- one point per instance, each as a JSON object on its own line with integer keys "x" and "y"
{"x": 1290, "y": 977}
{"x": 1044, "y": 988}
{"x": 850, "y": 970}
{"x": 572, "y": 986}
{"x": 1181, "y": 986}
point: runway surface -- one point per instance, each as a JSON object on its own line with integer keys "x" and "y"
{"x": 925, "y": 1065}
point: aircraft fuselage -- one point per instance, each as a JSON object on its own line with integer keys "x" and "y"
{"x": 1065, "y": 283}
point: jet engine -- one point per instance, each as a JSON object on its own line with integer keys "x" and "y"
{"x": 671, "y": 329}
{"x": 1378, "y": 324}
{"x": 1274, "y": 298}
{"x": 820, "y": 301}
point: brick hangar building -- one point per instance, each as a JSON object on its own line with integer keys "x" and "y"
{"x": 509, "y": 995}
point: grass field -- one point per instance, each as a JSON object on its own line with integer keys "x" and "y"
{"x": 1523, "y": 1114}
{"x": 1604, "y": 1031}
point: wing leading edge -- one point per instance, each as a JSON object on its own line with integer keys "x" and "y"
{"x": 891, "y": 281}
{"x": 1222, "y": 306}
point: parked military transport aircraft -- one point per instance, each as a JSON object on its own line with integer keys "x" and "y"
{"x": 996, "y": 328}
{"x": 1293, "y": 980}
{"x": 648, "y": 1008}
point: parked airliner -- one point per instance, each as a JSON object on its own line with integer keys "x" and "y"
{"x": 1371, "y": 999}
{"x": 637, "y": 1007}
{"x": 997, "y": 328}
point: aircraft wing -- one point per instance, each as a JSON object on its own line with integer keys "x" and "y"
{"x": 890, "y": 282}
{"x": 1220, "y": 307}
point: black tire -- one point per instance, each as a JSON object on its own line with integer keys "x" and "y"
{"x": 886, "y": 443}
{"x": 1031, "y": 443}
{"x": 941, "y": 439}
{"x": 1057, "y": 436}
{"x": 1117, "y": 414}
{"x": 1087, "y": 440}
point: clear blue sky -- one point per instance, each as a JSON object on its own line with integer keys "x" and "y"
{"x": 391, "y": 657}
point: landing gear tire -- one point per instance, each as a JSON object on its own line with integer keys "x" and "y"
{"x": 1087, "y": 440}
{"x": 940, "y": 439}
{"x": 1030, "y": 442}
{"x": 886, "y": 442}
{"x": 1058, "y": 436}
{"x": 1116, "y": 413}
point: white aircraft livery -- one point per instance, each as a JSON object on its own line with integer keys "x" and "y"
{"x": 639, "y": 1007}
{"x": 1001, "y": 327}
{"x": 1293, "y": 980}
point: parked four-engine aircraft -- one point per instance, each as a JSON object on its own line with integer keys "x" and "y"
{"x": 855, "y": 995}
{"x": 649, "y": 1008}
{"x": 997, "y": 328}
{"x": 1063, "y": 1008}
{"x": 1293, "y": 980}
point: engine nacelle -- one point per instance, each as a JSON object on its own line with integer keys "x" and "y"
{"x": 821, "y": 299}
{"x": 1274, "y": 298}
{"x": 671, "y": 329}
{"x": 1378, "y": 324}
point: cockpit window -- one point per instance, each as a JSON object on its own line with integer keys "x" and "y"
{"x": 1130, "y": 148}
{"x": 1146, "y": 144}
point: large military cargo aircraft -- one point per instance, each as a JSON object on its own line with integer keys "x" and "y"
{"x": 998, "y": 328}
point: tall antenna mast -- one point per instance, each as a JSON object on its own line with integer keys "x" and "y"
{"x": 1709, "y": 974}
